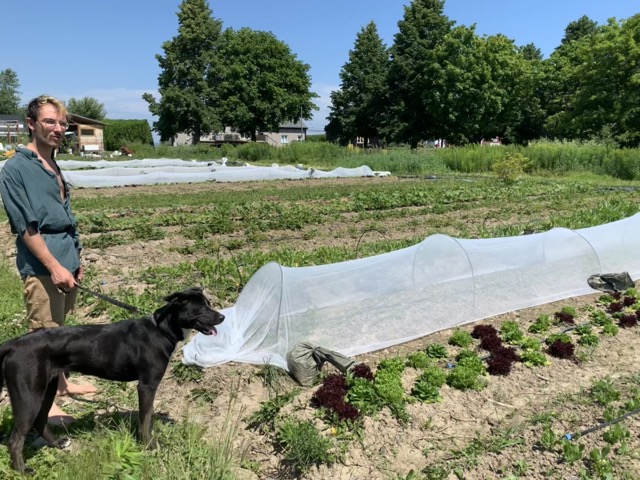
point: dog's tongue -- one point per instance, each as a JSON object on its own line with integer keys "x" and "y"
{"x": 213, "y": 331}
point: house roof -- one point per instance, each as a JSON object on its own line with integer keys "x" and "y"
{"x": 78, "y": 119}
{"x": 292, "y": 125}
{"x": 4, "y": 117}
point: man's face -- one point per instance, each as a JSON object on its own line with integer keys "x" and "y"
{"x": 49, "y": 127}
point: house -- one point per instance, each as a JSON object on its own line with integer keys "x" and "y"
{"x": 230, "y": 136}
{"x": 287, "y": 133}
{"x": 12, "y": 127}
{"x": 494, "y": 142}
{"x": 89, "y": 134}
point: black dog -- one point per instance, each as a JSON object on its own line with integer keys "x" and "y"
{"x": 123, "y": 351}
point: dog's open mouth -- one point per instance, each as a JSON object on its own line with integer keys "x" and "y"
{"x": 209, "y": 331}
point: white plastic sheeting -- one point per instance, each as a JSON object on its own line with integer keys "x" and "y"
{"x": 105, "y": 173}
{"x": 371, "y": 303}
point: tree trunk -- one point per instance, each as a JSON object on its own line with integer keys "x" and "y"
{"x": 197, "y": 133}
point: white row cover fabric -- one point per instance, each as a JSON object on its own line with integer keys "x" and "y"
{"x": 371, "y": 303}
{"x": 105, "y": 173}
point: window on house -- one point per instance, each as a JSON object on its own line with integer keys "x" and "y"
{"x": 87, "y": 132}
{"x": 284, "y": 138}
{"x": 299, "y": 138}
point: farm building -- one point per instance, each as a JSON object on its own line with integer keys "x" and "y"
{"x": 89, "y": 133}
{"x": 287, "y": 133}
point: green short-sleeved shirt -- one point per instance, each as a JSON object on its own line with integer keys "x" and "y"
{"x": 31, "y": 197}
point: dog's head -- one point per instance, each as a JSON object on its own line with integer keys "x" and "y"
{"x": 189, "y": 309}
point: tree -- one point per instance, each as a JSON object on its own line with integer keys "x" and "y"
{"x": 578, "y": 29}
{"x": 265, "y": 84}
{"x": 530, "y": 52}
{"x": 357, "y": 109}
{"x": 417, "y": 73}
{"x": 9, "y": 94}
{"x": 190, "y": 77}
{"x": 560, "y": 70}
{"x": 87, "y": 107}
{"x": 605, "y": 101}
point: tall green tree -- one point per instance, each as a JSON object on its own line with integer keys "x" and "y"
{"x": 87, "y": 107}
{"x": 358, "y": 108}
{"x": 9, "y": 92}
{"x": 417, "y": 73}
{"x": 190, "y": 77}
{"x": 265, "y": 84}
{"x": 606, "y": 102}
{"x": 560, "y": 70}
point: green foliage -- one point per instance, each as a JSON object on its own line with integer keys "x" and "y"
{"x": 418, "y": 360}
{"x": 532, "y": 358}
{"x": 604, "y": 392}
{"x": 265, "y": 417}
{"x": 265, "y": 86}
{"x": 461, "y": 338}
{"x": 510, "y": 332}
{"x": 125, "y": 133}
{"x": 571, "y": 452}
{"x": 616, "y": 434}
{"x": 541, "y": 324}
{"x": 186, "y": 373}
{"x": 512, "y": 167}
{"x": 358, "y": 107}
{"x": 548, "y": 440}
{"x": 467, "y": 374}
{"x": 427, "y": 387}
{"x": 435, "y": 350}
{"x": 303, "y": 446}
{"x": 87, "y": 107}
{"x": 9, "y": 93}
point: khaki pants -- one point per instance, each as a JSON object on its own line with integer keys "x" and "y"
{"x": 47, "y": 306}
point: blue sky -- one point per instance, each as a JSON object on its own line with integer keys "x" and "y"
{"x": 106, "y": 49}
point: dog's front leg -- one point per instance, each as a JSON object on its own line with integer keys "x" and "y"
{"x": 146, "y": 396}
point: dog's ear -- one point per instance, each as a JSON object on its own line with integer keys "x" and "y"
{"x": 188, "y": 293}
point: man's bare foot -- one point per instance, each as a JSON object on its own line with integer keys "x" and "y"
{"x": 58, "y": 418}
{"x": 75, "y": 389}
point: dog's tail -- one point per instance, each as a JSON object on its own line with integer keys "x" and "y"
{"x": 4, "y": 349}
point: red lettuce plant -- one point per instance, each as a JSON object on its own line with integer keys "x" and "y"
{"x": 628, "y": 301}
{"x": 491, "y": 342}
{"x": 615, "y": 307}
{"x": 481, "y": 331}
{"x": 362, "y": 371}
{"x": 499, "y": 365}
{"x": 560, "y": 349}
{"x": 628, "y": 320}
{"x": 331, "y": 395}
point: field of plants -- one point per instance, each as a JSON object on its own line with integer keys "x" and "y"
{"x": 505, "y": 398}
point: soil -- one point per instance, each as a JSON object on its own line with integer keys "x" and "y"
{"x": 436, "y": 433}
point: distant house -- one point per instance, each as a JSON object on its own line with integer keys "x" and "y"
{"x": 494, "y": 142}
{"x": 11, "y": 127}
{"x": 89, "y": 133}
{"x": 287, "y": 133}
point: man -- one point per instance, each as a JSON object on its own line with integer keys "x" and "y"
{"x": 36, "y": 199}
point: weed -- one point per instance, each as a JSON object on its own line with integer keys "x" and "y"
{"x": 265, "y": 417}
{"x": 571, "y": 452}
{"x": 186, "y": 373}
{"x": 603, "y": 392}
{"x": 302, "y": 446}
{"x": 548, "y": 440}
{"x": 618, "y": 433}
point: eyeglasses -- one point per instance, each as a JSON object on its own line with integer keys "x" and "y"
{"x": 51, "y": 123}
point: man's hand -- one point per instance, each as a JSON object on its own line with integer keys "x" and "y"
{"x": 62, "y": 278}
